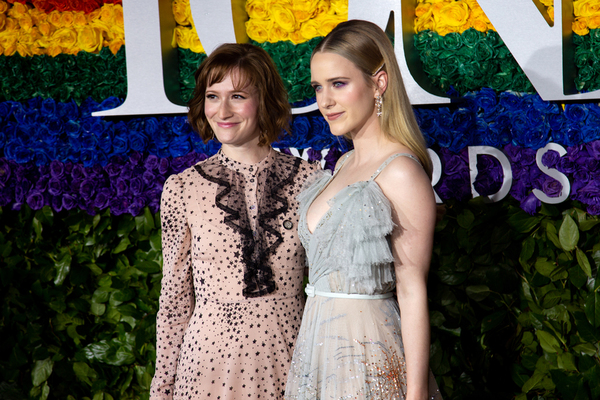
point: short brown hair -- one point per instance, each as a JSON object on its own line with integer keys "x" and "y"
{"x": 255, "y": 68}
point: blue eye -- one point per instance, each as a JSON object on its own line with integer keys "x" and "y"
{"x": 339, "y": 84}
{"x": 316, "y": 87}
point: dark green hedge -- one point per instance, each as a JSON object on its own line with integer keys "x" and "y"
{"x": 515, "y": 308}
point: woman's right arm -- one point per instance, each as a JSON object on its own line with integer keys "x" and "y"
{"x": 176, "y": 302}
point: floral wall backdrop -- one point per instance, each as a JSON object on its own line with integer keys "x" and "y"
{"x": 515, "y": 308}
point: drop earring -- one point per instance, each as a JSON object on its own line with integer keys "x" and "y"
{"x": 379, "y": 105}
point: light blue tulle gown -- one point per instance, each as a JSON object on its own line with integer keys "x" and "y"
{"x": 349, "y": 345}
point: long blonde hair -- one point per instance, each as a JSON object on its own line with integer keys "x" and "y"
{"x": 367, "y": 46}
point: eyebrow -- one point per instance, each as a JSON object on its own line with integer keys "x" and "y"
{"x": 337, "y": 78}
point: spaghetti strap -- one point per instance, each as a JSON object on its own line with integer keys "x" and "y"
{"x": 345, "y": 157}
{"x": 389, "y": 160}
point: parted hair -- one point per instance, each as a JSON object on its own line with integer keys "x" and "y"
{"x": 367, "y": 46}
{"x": 253, "y": 67}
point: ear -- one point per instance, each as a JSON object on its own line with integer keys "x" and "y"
{"x": 381, "y": 81}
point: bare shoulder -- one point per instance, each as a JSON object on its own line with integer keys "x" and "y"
{"x": 406, "y": 184}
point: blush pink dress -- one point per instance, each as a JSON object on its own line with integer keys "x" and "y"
{"x": 231, "y": 297}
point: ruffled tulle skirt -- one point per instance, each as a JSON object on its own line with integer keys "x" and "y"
{"x": 349, "y": 349}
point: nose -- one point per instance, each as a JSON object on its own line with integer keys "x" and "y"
{"x": 324, "y": 99}
{"x": 224, "y": 110}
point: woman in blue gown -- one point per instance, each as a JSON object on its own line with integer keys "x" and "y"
{"x": 368, "y": 233}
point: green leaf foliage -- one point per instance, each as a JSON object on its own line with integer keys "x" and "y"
{"x": 514, "y": 303}
{"x": 79, "y": 295}
{"x": 522, "y": 292}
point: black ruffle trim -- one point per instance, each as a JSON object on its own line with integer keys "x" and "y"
{"x": 231, "y": 199}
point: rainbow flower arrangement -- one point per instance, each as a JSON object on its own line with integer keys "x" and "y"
{"x": 63, "y": 60}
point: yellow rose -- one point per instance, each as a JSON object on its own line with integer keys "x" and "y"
{"x": 64, "y": 37}
{"x": 304, "y": 10}
{"x": 54, "y": 50}
{"x": 296, "y": 37}
{"x": 45, "y": 28}
{"x": 23, "y": 50}
{"x": 580, "y": 27}
{"x": 89, "y": 39}
{"x": 277, "y": 33}
{"x": 93, "y": 15}
{"x": 585, "y": 8}
{"x": 54, "y": 19}
{"x": 25, "y": 23}
{"x": 339, "y": 7}
{"x": 309, "y": 29}
{"x": 593, "y": 22}
{"x": 258, "y": 30}
{"x": 258, "y": 9}
{"x": 327, "y": 23}
{"x": 453, "y": 14}
{"x": 323, "y": 7}
{"x": 37, "y": 16}
{"x": 195, "y": 44}
{"x": 182, "y": 13}
{"x": 3, "y": 7}
{"x": 119, "y": 17}
{"x": 18, "y": 10}
{"x": 479, "y": 25}
{"x": 284, "y": 17}
{"x": 551, "y": 13}
{"x": 2, "y": 21}
{"x": 547, "y": 3}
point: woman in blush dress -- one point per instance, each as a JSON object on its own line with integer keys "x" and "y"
{"x": 231, "y": 296}
{"x": 368, "y": 231}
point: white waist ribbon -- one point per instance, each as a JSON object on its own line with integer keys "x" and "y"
{"x": 312, "y": 292}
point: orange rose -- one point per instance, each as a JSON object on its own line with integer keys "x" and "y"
{"x": 3, "y": 7}
{"x": 79, "y": 19}
{"x": 67, "y": 19}
{"x": 54, "y": 19}
{"x": 115, "y": 45}
{"x": 2, "y": 21}
{"x": 18, "y": 10}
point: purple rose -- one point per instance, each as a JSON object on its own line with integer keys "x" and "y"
{"x": 55, "y": 186}
{"x": 530, "y": 204}
{"x": 136, "y": 206}
{"x": 590, "y": 193}
{"x": 69, "y": 201}
{"x": 103, "y": 197}
{"x": 550, "y": 158}
{"x": 57, "y": 169}
{"x": 151, "y": 162}
{"x": 119, "y": 205}
{"x": 56, "y": 203}
{"x": 314, "y": 155}
{"x": 35, "y": 200}
{"x": 551, "y": 187}
{"x": 163, "y": 166}
{"x": 121, "y": 186}
{"x": 136, "y": 185}
{"x": 87, "y": 189}
{"x": 5, "y": 172}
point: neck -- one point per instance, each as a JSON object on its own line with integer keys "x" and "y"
{"x": 250, "y": 153}
{"x": 370, "y": 141}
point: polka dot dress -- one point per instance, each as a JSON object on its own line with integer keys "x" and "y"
{"x": 231, "y": 298}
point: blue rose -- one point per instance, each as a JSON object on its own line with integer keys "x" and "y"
{"x": 110, "y": 103}
{"x": 181, "y": 126}
{"x": 576, "y": 112}
{"x": 179, "y": 146}
{"x": 67, "y": 111}
{"x": 138, "y": 141}
{"x": 510, "y": 101}
{"x": 486, "y": 99}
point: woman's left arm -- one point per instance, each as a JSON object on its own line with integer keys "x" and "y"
{"x": 408, "y": 188}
